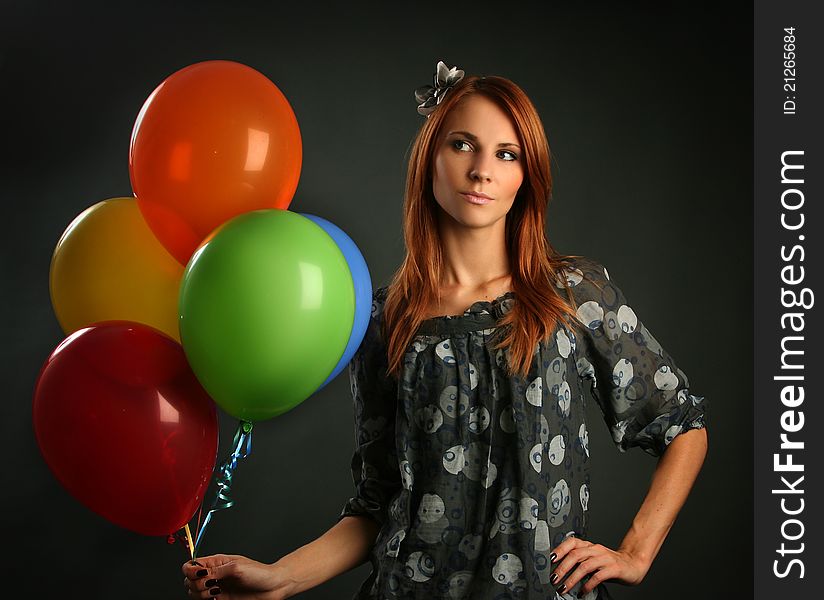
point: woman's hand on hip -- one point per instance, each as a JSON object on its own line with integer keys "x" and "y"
{"x": 576, "y": 558}
{"x": 235, "y": 577}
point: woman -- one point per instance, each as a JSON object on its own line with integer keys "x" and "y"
{"x": 471, "y": 464}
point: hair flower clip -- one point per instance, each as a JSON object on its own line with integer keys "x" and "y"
{"x": 428, "y": 97}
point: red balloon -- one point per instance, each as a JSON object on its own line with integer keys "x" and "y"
{"x": 213, "y": 140}
{"x": 126, "y": 427}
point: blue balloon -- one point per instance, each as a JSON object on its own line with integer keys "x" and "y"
{"x": 363, "y": 292}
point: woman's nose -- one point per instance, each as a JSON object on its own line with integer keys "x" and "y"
{"x": 481, "y": 170}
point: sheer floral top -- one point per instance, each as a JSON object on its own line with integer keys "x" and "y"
{"x": 474, "y": 476}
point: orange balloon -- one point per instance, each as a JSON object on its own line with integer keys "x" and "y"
{"x": 212, "y": 141}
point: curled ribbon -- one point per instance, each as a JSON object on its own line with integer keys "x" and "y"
{"x": 242, "y": 448}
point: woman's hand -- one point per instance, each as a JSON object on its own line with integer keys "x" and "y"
{"x": 574, "y": 558}
{"x": 231, "y": 576}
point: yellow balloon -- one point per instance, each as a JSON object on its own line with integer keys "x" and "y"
{"x": 108, "y": 265}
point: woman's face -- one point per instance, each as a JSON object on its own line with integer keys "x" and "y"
{"x": 478, "y": 153}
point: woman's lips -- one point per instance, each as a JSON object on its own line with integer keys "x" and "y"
{"x": 476, "y": 199}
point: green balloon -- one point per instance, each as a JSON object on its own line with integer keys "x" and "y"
{"x": 266, "y": 308}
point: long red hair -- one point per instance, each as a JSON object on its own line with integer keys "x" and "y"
{"x": 534, "y": 263}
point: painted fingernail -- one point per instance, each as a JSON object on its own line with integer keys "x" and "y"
{"x": 214, "y": 591}
{"x": 211, "y": 582}
{"x": 562, "y": 588}
{"x": 552, "y": 557}
{"x": 201, "y": 573}
{"x": 554, "y": 578}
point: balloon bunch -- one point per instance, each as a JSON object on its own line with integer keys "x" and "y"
{"x": 202, "y": 290}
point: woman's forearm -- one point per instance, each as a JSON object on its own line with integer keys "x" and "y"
{"x": 344, "y": 546}
{"x": 671, "y": 483}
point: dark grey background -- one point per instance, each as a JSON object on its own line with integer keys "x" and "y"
{"x": 648, "y": 112}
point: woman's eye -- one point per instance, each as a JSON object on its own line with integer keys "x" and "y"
{"x": 511, "y": 155}
{"x": 465, "y": 146}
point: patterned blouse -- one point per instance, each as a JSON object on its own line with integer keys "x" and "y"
{"x": 474, "y": 476}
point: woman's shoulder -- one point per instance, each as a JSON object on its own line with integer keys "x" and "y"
{"x": 378, "y": 301}
{"x": 586, "y": 278}
{"x": 379, "y": 294}
{"x": 576, "y": 268}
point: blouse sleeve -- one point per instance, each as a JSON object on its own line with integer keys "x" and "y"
{"x": 374, "y": 463}
{"x": 643, "y": 394}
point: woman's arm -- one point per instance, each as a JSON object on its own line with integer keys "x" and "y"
{"x": 671, "y": 483}
{"x": 344, "y": 546}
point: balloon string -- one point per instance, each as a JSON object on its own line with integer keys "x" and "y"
{"x": 199, "y": 515}
{"x": 242, "y": 448}
{"x": 189, "y": 542}
{"x": 184, "y": 536}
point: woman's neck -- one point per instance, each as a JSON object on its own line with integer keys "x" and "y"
{"x": 474, "y": 258}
